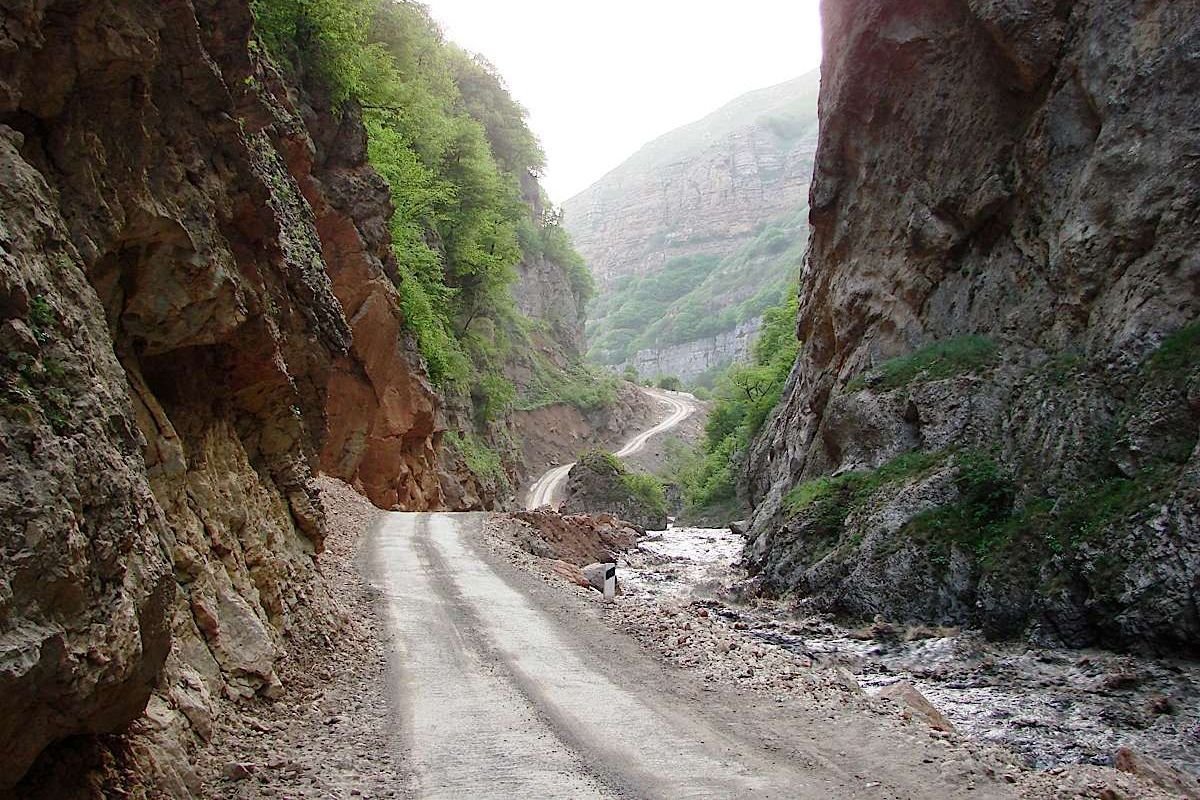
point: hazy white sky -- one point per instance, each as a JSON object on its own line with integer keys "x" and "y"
{"x": 600, "y": 79}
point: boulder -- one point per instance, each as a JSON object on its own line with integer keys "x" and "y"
{"x": 905, "y": 694}
{"x": 600, "y": 483}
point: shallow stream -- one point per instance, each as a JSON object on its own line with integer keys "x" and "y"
{"x": 1050, "y": 706}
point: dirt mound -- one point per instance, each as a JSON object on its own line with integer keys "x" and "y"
{"x": 578, "y": 539}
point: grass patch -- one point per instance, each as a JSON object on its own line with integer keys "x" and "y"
{"x": 944, "y": 359}
{"x": 602, "y": 462}
{"x": 832, "y": 499}
{"x": 480, "y": 459}
{"x": 1178, "y": 353}
{"x": 582, "y": 386}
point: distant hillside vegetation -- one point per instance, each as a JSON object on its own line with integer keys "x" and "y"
{"x": 698, "y": 233}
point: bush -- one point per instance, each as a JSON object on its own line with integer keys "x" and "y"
{"x": 832, "y": 499}
{"x": 670, "y": 383}
{"x": 479, "y": 458}
{"x": 1178, "y": 353}
{"x": 648, "y": 490}
{"x": 581, "y": 386}
{"x": 602, "y": 462}
{"x": 986, "y": 520}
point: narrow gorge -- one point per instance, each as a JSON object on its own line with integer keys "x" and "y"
{"x": 844, "y": 442}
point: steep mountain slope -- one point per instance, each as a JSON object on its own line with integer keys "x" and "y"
{"x": 1000, "y": 357}
{"x": 699, "y": 232}
{"x": 200, "y": 306}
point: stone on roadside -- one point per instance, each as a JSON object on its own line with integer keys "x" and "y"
{"x": 569, "y": 573}
{"x": 236, "y": 771}
{"x": 906, "y": 694}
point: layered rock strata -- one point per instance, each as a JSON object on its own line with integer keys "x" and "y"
{"x": 700, "y": 190}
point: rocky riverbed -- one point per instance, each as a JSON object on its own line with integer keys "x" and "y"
{"x": 1049, "y": 708}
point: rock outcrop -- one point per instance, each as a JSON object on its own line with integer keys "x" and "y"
{"x": 1000, "y": 360}
{"x": 690, "y": 360}
{"x": 601, "y": 484}
{"x": 195, "y": 308}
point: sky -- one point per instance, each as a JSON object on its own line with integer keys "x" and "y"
{"x": 600, "y": 78}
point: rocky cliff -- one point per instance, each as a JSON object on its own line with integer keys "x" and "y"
{"x": 691, "y": 360}
{"x": 196, "y": 312}
{"x": 993, "y": 417}
{"x": 702, "y": 229}
{"x": 702, "y": 189}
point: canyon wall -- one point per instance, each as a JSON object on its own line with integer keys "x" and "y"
{"x": 691, "y": 360}
{"x": 993, "y": 417}
{"x": 196, "y": 313}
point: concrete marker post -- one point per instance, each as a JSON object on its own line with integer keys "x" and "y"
{"x": 610, "y": 583}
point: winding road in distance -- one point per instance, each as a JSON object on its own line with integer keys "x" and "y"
{"x": 679, "y": 405}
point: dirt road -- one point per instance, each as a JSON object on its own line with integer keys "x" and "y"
{"x": 506, "y": 687}
{"x": 678, "y": 405}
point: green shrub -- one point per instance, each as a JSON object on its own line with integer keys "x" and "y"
{"x": 602, "y": 462}
{"x": 986, "y": 519}
{"x": 582, "y": 386}
{"x": 670, "y": 383}
{"x": 647, "y": 489}
{"x": 979, "y": 518}
{"x": 945, "y": 359}
{"x": 479, "y": 458}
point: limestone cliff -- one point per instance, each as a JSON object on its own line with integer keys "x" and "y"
{"x": 691, "y": 360}
{"x": 993, "y": 417}
{"x": 702, "y": 189}
{"x": 195, "y": 313}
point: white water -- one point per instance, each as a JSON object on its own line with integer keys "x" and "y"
{"x": 1051, "y": 706}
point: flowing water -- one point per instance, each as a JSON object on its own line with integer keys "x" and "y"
{"x": 1050, "y": 706}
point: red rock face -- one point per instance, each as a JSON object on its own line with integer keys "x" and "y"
{"x": 194, "y": 307}
{"x": 382, "y": 415}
